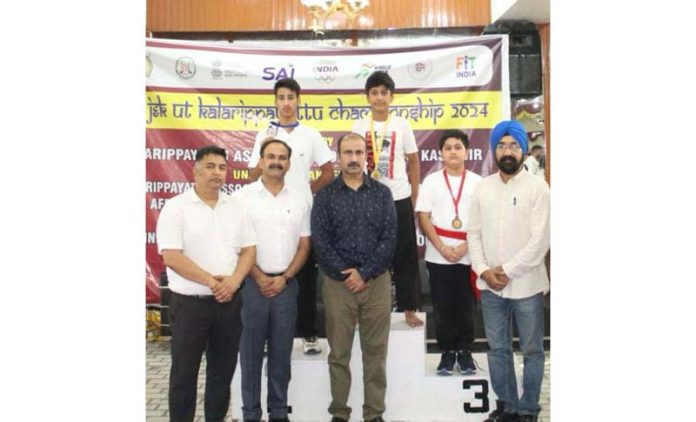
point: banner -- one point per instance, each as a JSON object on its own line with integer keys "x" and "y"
{"x": 199, "y": 94}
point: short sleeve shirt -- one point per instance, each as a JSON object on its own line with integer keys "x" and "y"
{"x": 397, "y": 141}
{"x": 211, "y": 237}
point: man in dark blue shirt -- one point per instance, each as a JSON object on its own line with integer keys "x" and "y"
{"x": 354, "y": 236}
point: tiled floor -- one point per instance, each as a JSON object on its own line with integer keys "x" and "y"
{"x": 158, "y": 378}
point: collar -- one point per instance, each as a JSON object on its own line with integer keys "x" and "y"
{"x": 193, "y": 196}
{"x": 367, "y": 182}
{"x": 259, "y": 187}
{"x": 291, "y": 125}
{"x": 513, "y": 178}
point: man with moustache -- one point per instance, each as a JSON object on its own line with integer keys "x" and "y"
{"x": 207, "y": 242}
{"x": 508, "y": 238}
{"x": 354, "y": 236}
{"x": 309, "y": 147}
{"x": 280, "y": 218}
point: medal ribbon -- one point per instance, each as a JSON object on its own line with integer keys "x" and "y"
{"x": 377, "y": 149}
{"x": 459, "y": 194}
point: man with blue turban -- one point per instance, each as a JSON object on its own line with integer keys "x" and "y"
{"x": 508, "y": 235}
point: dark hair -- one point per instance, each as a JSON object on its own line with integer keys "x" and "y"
{"x": 379, "y": 78}
{"x": 349, "y": 135}
{"x": 211, "y": 149}
{"x": 457, "y": 134}
{"x": 535, "y": 147}
{"x": 288, "y": 83}
{"x": 268, "y": 141}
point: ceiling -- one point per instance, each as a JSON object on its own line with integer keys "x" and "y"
{"x": 536, "y": 11}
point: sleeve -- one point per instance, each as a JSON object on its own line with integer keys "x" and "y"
{"x": 305, "y": 228}
{"x": 170, "y": 227}
{"x": 478, "y": 258}
{"x": 380, "y": 259}
{"x": 425, "y": 195}
{"x": 321, "y": 153}
{"x": 327, "y": 256}
{"x": 255, "y": 151}
{"x": 534, "y": 251}
{"x": 409, "y": 139}
{"x": 247, "y": 232}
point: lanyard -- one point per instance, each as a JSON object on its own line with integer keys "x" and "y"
{"x": 377, "y": 149}
{"x": 456, "y": 223}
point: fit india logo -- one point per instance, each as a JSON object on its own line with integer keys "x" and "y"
{"x": 325, "y": 71}
{"x": 465, "y": 67}
{"x": 185, "y": 67}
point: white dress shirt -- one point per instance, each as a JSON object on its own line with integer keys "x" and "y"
{"x": 308, "y": 147}
{"x": 434, "y": 197}
{"x": 279, "y": 221}
{"x": 509, "y": 226}
{"x": 211, "y": 237}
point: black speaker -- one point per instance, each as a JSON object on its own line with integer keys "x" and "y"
{"x": 524, "y": 56}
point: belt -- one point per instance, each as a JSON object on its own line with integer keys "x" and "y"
{"x": 450, "y": 233}
{"x": 198, "y": 297}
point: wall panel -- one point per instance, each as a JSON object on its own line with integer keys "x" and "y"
{"x": 290, "y": 15}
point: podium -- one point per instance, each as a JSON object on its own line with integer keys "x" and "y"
{"x": 415, "y": 393}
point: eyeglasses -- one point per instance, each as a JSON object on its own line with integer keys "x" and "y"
{"x": 513, "y": 147}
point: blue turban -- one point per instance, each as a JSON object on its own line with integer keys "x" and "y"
{"x": 512, "y": 128}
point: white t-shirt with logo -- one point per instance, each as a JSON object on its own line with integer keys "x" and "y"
{"x": 397, "y": 141}
{"x": 308, "y": 147}
{"x": 434, "y": 197}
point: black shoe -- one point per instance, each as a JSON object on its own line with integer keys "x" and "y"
{"x": 499, "y": 415}
{"x": 337, "y": 419}
{"x": 465, "y": 363}
{"x": 377, "y": 419}
{"x": 528, "y": 418}
{"x": 446, "y": 366}
{"x": 285, "y": 419}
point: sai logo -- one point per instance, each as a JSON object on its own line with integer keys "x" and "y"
{"x": 325, "y": 71}
{"x": 185, "y": 67}
{"x": 276, "y": 73}
{"x": 465, "y": 67}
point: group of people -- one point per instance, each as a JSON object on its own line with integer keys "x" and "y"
{"x": 243, "y": 267}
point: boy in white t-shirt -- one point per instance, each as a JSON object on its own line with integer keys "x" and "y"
{"x": 443, "y": 214}
{"x": 393, "y": 160}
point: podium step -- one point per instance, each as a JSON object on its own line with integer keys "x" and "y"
{"x": 415, "y": 393}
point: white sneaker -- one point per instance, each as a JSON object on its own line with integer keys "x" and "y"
{"x": 311, "y": 345}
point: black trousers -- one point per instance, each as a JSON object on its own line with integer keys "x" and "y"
{"x": 202, "y": 325}
{"x": 306, "y": 325}
{"x": 453, "y": 302}
{"x": 405, "y": 273}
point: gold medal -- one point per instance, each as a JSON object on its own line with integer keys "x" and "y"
{"x": 376, "y": 174}
{"x": 457, "y": 223}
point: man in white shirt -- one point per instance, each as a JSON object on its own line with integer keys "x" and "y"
{"x": 392, "y": 159}
{"x": 280, "y": 218}
{"x": 207, "y": 243}
{"x": 531, "y": 164}
{"x": 443, "y": 213}
{"x": 308, "y": 148}
{"x": 508, "y": 240}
